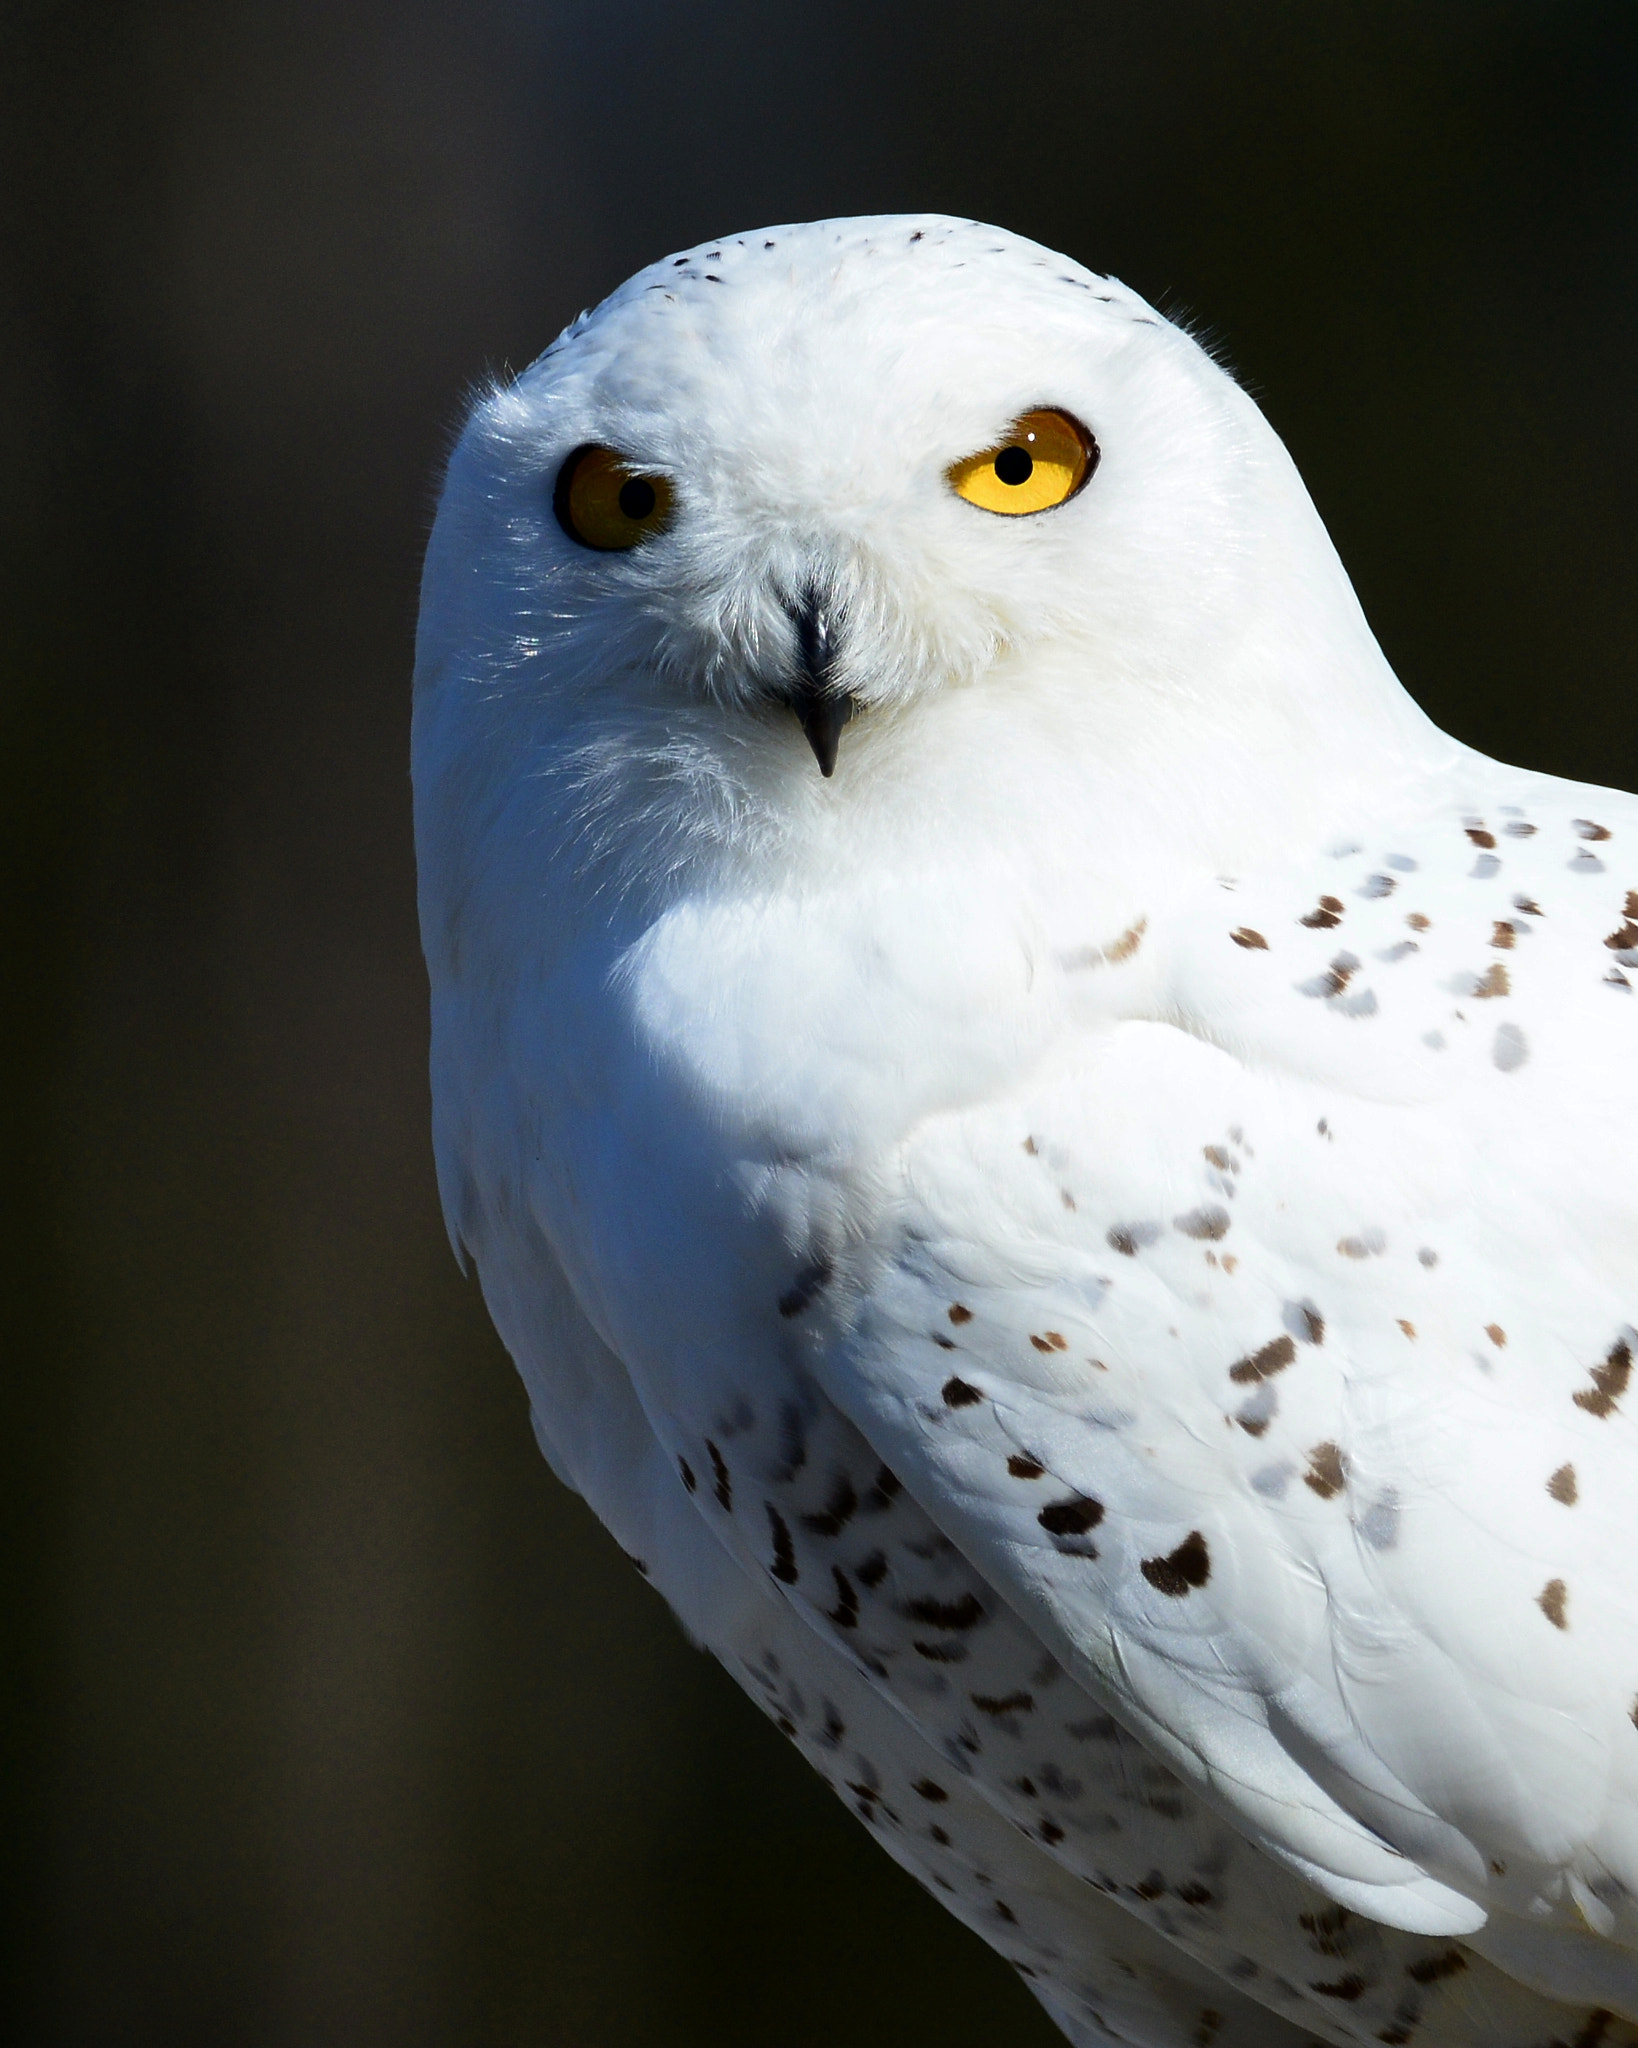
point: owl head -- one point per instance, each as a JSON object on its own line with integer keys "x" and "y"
{"x": 807, "y": 479}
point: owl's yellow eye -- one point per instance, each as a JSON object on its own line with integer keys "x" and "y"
{"x": 603, "y": 502}
{"x": 1045, "y": 459}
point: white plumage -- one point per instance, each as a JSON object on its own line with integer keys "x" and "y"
{"x": 1091, "y": 1255}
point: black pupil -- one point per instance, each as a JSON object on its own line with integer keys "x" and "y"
{"x": 637, "y": 496}
{"x": 1012, "y": 466}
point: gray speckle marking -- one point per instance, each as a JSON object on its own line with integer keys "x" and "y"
{"x": 1510, "y": 1049}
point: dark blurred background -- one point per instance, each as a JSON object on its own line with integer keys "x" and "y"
{"x": 330, "y": 1718}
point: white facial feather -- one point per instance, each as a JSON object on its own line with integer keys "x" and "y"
{"x": 1089, "y": 1253}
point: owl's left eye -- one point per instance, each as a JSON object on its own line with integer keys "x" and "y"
{"x": 605, "y": 502}
{"x": 1045, "y": 458}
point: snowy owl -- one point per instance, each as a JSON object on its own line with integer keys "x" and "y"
{"x": 1058, "y": 1162}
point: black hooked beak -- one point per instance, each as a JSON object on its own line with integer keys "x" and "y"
{"x": 821, "y": 708}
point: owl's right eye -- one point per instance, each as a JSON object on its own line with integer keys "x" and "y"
{"x": 604, "y": 502}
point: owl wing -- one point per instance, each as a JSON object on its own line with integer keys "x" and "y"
{"x": 1273, "y": 1362}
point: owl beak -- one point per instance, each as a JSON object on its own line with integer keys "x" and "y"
{"x": 821, "y": 708}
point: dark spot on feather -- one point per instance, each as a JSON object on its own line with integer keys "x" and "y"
{"x": 958, "y": 1394}
{"x": 1418, "y": 923}
{"x": 1327, "y": 1472}
{"x": 1022, "y": 1466}
{"x": 1346, "y": 1988}
{"x": 1562, "y": 1486}
{"x": 1329, "y": 913}
{"x": 886, "y": 1488}
{"x": 845, "y": 1613}
{"x": 1254, "y": 942}
{"x": 1334, "y": 980}
{"x": 927, "y": 1789}
{"x": 725, "y": 1485}
{"x": 1493, "y": 982}
{"x": 838, "y": 1511}
{"x": 1369, "y": 1244}
{"x": 784, "y": 1564}
{"x": 944, "y": 1343}
{"x": 1586, "y": 829}
{"x": 1188, "y": 1566}
{"x": 1007, "y": 1703}
{"x": 1052, "y": 1341}
{"x": 687, "y": 1471}
{"x": 1609, "y": 1382}
{"x": 1262, "y": 1365}
{"x": 1072, "y": 1517}
{"x": 1209, "y": 1221}
{"x": 1552, "y": 1600}
{"x": 964, "y": 1613}
{"x": 1328, "y": 1930}
{"x": 1451, "y": 1963}
{"x": 1129, "y": 1238}
{"x": 958, "y": 1314}
{"x": 940, "y": 1653}
{"x": 873, "y": 1570}
{"x": 805, "y": 1287}
{"x": 1503, "y": 935}
{"x": 1480, "y": 836}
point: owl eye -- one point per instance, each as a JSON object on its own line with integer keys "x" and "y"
{"x": 1046, "y": 458}
{"x": 603, "y": 502}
